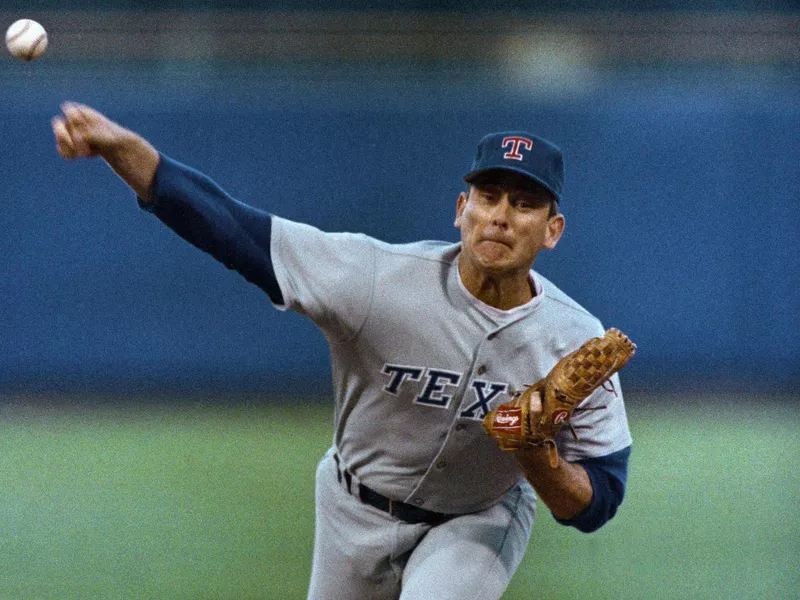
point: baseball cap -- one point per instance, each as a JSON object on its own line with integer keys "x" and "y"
{"x": 521, "y": 152}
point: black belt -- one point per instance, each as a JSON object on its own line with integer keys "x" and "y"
{"x": 400, "y": 510}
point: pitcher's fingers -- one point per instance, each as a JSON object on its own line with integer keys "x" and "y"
{"x": 76, "y": 128}
{"x": 73, "y": 112}
{"x": 536, "y": 402}
{"x": 84, "y": 112}
{"x": 82, "y": 117}
{"x": 74, "y": 116}
{"x": 63, "y": 141}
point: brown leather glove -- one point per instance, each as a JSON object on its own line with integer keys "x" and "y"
{"x": 519, "y": 424}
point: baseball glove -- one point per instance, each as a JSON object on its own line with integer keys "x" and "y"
{"x": 517, "y": 424}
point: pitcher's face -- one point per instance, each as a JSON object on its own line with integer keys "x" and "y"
{"x": 503, "y": 227}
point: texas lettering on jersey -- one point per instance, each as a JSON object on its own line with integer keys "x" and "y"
{"x": 435, "y": 384}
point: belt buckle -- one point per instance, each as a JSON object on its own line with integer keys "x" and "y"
{"x": 391, "y": 507}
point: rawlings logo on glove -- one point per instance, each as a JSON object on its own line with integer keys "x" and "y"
{"x": 506, "y": 420}
{"x": 534, "y": 417}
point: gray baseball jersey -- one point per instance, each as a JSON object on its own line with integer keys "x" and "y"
{"x": 417, "y": 362}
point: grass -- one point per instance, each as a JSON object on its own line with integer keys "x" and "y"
{"x": 201, "y": 502}
{"x": 711, "y": 513}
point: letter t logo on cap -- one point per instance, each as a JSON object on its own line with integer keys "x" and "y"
{"x": 522, "y": 152}
{"x": 516, "y": 142}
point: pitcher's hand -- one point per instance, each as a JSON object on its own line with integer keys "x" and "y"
{"x": 83, "y": 131}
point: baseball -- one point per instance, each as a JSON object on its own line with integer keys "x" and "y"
{"x": 26, "y": 39}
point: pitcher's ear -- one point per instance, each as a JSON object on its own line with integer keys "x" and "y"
{"x": 460, "y": 204}
{"x": 555, "y": 229}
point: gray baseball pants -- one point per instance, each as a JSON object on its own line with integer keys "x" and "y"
{"x": 363, "y": 553}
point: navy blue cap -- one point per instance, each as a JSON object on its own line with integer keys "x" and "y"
{"x": 521, "y": 152}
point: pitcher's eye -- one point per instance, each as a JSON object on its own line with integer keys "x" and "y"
{"x": 489, "y": 195}
{"x": 524, "y": 204}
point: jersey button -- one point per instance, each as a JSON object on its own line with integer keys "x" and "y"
{"x": 441, "y": 464}
{"x": 460, "y": 427}
{"x": 418, "y": 501}
{"x": 481, "y": 369}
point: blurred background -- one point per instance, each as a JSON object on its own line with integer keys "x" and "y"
{"x": 161, "y": 421}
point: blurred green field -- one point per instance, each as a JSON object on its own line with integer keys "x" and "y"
{"x": 196, "y": 501}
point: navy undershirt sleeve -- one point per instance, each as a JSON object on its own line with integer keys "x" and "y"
{"x": 202, "y": 213}
{"x": 609, "y": 476}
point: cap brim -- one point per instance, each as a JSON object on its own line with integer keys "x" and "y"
{"x": 470, "y": 177}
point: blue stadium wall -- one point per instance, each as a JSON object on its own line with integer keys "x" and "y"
{"x": 681, "y": 205}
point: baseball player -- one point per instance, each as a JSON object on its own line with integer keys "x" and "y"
{"x": 413, "y": 499}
